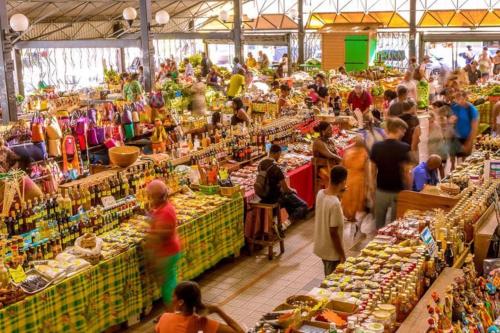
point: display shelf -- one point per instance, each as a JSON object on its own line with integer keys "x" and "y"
{"x": 416, "y": 322}
{"x": 483, "y": 236}
{"x": 410, "y": 200}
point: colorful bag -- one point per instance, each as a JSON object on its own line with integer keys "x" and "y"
{"x": 54, "y": 147}
{"x": 156, "y": 100}
{"x": 53, "y": 129}
{"x": 110, "y": 143}
{"x": 129, "y": 131}
{"x": 92, "y": 136}
{"x": 101, "y": 134}
{"x": 127, "y": 115}
{"x": 37, "y": 132}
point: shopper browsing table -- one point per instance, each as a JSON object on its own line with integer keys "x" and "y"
{"x": 426, "y": 173}
{"x": 251, "y": 62}
{"x": 329, "y": 221}
{"x": 279, "y": 191}
{"x": 359, "y": 101}
{"x": 190, "y": 314}
{"x": 466, "y": 126}
{"x": 236, "y": 84}
{"x": 396, "y": 105}
{"x": 239, "y": 114}
{"x": 162, "y": 241}
{"x": 391, "y": 164}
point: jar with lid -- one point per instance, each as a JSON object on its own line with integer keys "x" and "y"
{"x": 384, "y": 318}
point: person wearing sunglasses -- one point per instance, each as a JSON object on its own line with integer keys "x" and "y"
{"x": 329, "y": 221}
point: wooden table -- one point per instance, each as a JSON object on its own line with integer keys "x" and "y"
{"x": 416, "y": 322}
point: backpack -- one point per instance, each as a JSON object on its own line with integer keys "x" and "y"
{"x": 261, "y": 186}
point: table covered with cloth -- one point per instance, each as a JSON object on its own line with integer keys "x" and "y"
{"x": 300, "y": 179}
{"x": 117, "y": 289}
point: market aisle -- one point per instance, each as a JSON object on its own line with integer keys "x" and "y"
{"x": 248, "y": 287}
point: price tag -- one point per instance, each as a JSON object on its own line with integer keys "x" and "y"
{"x": 108, "y": 201}
{"x": 428, "y": 240}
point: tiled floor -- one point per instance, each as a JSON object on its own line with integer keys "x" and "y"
{"x": 248, "y": 287}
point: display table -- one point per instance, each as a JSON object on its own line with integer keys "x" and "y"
{"x": 410, "y": 200}
{"x": 417, "y": 320}
{"x": 118, "y": 289}
{"x": 92, "y": 301}
{"x": 301, "y": 180}
{"x": 211, "y": 237}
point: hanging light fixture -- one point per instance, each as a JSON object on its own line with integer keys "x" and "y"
{"x": 129, "y": 14}
{"x": 251, "y": 11}
{"x": 223, "y": 15}
{"x": 19, "y": 22}
{"x": 162, "y": 17}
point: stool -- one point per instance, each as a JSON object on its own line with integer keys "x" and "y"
{"x": 271, "y": 236}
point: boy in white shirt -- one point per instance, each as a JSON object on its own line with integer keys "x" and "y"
{"x": 329, "y": 221}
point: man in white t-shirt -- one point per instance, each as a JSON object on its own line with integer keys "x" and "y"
{"x": 329, "y": 221}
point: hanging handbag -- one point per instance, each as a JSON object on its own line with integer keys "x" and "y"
{"x": 92, "y": 136}
{"x": 101, "y": 134}
{"x": 80, "y": 130}
{"x": 54, "y": 147}
{"x": 129, "y": 131}
{"x": 127, "y": 115}
{"x": 53, "y": 129}
{"x": 110, "y": 143}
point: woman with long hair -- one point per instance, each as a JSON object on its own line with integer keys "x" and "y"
{"x": 190, "y": 314}
{"x": 324, "y": 149}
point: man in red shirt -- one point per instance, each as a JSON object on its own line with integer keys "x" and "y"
{"x": 359, "y": 101}
{"x": 162, "y": 241}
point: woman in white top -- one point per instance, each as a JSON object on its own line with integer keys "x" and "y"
{"x": 284, "y": 63}
{"x": 410, "y": 84}
{"x": 485, "y": 62}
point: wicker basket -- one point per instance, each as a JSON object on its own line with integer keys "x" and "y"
{"x": 229, "y": 191}
{"x": 301, "y": 301}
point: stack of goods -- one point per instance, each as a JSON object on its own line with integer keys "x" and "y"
{"x": 246, "y": 176}
{"x": 374, "y": 291}
{"x": 470, "y": 304}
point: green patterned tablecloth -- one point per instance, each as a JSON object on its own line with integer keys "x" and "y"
{"x": 117, "y": 289}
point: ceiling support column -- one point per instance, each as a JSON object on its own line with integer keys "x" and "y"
{"x": 7, "y": 87}
{"x": 301, "y": 35}
{"x": 120, "y": 55}
{"x": 18, "y": 62}
{"x": 147, "y": 47}
{"x": 237, "y": 30}
{"x": 413, "y": 29}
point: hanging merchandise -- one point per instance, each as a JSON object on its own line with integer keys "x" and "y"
{"x": 127, "y": 122}
{"x": 71, "y": 161}
{"x": 156, "y": 100}
{"x": 80, "y": 130}
{"x": 37, "y": 128}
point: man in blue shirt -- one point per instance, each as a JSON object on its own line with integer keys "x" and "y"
{"x": 466, "y": 125}
{"x": 426, "y": 173}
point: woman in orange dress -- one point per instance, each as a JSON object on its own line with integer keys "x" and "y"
{"x": 190, "y": 314}
{"x": 356, "y": 163}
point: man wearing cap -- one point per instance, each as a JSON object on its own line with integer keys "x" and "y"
{"x": 162, "y": 242}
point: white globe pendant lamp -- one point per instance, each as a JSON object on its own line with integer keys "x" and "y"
{"x": 224, "y": 15}
{"x": 162, "y": 17}
{"x": 252, "y": 12}
{"x": 19, "y": 22}
{"x": 129, "y": 14}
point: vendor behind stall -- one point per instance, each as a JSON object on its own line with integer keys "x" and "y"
{"x": 279, "y": 191}
{"x": 324, "y": 148}
{"x": 240, "y": 116}
{"x": 359, "y": 99}
{"x": 132, "y": 90}
{"x": 213, "y": 78}
{"x": 318, "y": 91}
{"x": 426, "y": 173}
